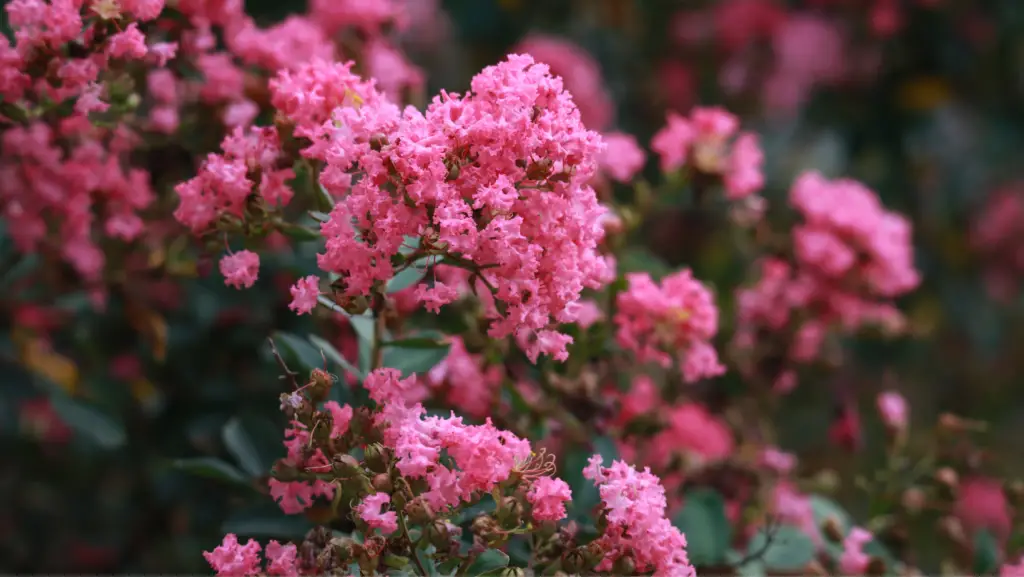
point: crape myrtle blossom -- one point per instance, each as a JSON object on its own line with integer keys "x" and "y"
{"x": 232, "y": 559}
{"x": 496, "y": 178}
{"x": 675, "y": 320}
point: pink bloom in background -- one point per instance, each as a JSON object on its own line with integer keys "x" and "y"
{"x": 39, "y": 420}
{"x": 695, "y": 432}
{"x": 394, "y": 74}
{"x": 1013, "y": 570}
{"x": 472, "y": 385}
{"x": 677, "y": 84}
{"x": 643, "y": 397}
{"x": 622, "y": 157}
{"x": 368, "y": 16}
{"x": 240, "y": 269}
{"x": 982, "y": 504}
{"x": 370, "y": 511}
{"x": 548, "y": 497}
{"x": 295, "y": 40}
{"x": 741, "y": 22}
{"x": 305, "y": 294}
{"x": 809, "y": 51}
{"x": 673, "y": 320}
{"x": 779, "y": 461}
{"x": 710, "y": 141}
{"x": 580, "y": 73}
{"x": 893, "y": 409}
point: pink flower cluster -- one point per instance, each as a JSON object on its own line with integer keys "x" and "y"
{"x": 997, "y": 233}
{"x": 62, "y": 173}
{"x": 675, "y": 320}
{"x": 496, "y": 177}
{"x": 710, "y": 141}
{"x": 483, "y": 455}
{"x": 852, "y": 257}
{"x": 580, "y": 73}
{"x": 232, "y": 559}
{"x": 634, "y": 507}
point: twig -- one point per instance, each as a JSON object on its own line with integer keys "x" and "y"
{"x": 280, "y": 361}
{"x": 770, "y": 534}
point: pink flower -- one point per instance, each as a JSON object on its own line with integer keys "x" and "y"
{"x": 548, "y": 497}
{"x": 743, "y": 176}
{"x": 281, "y": 559}
{"x": 672, "y": 143}
{"x": 982, "y": 504}
{"x": 779, "y": 461}
{"x": 340, "y": 418}
{"x": 471, "y": 384}
{"x": 1013, "y": 570}
{"x": 634, "y": 504}
{"x": 893, "y": 408}
{"x": 230, "y": 559}
{"x": 623, "y": 157}
{"x": 854, "y": 560}
{"x": 580, "y": 72}
{"x": 305, "y": 294}
{"x": 675, "y": 319}
{"x": 128, "y": 44}
{"x": 694, "y": 432}
{"x": 240, "y": 269}
{"x": 370, "y": 512}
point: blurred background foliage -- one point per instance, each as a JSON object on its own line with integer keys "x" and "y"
{"x": 933, "y": 122}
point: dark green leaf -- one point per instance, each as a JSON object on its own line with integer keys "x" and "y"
{"x": 642, "y": 260}
{"x": 412, "y": 361}
{"x": 427, "y": 562}
{"x": 986, "y": 553}
{"x": 299, "y": 351}
{"x": 489, "y": 560}
{"x": 319, "y": 216}
{"x": 300, "y": 233}
{"x": 267, "y": 522}
{"x": 703, "y": 521}
{"x": 406, "y": 278}
{"x": 211, "y": 468}
{"x": 783, "y": 548}
{"x": 89, "y": 421}
{"x": 335, "y": 356}
{"x": 240, "y": 442}
{"x": 419, "y": 343}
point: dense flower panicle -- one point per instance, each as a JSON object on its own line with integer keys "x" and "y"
{"x": 548, "y": 497}
{"x": 47, "y": 185}
{"x": 674, "y": 320}
{"x": 623, "y": 157}
{"x": 982, "y": 505}
{"x": 497, "y": 177}
{"x": 580, "y": 73}
{"x": 634, "y": 506}
{"x": 294, "y": 40}
{"x": 249, "y": 163}
{"x": 370, "y": 511}
{"x": 368, "y": 16}
{"x": 240, "y": 269}
{"x": 471, "y": 384}
{"x": 846, "y": 222}
{"x": 394, "y": 74}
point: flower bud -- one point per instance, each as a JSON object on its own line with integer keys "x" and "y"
{"x": 320, "y": 384}
{"x": 344, "y": 549}
{"x": 347, "y": 465}
{"x": 377, "y": 458}
{"x": 832, "y": 530}
{"x": 875, "y": 567}
{"x": 378, "y": 140}
{"x": 419, "y": 511}
{"x": 914, "y": 500}
{"x": 486, "y": 528}
{"x": 510, "y": 512}
{"x": 382, "y": 483}
{"x": 438, "y": 534}
{"x": 573, "y": 562}
{"x": 948, "y": 478}
{"x": 593, "y": 553}
{"x": 624, "y": 566}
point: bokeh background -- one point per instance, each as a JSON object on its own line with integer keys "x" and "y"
{"x": 923, "y": 100}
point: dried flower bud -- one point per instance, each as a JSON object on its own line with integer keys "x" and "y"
{"x": 377, "y": 457}
{"x": 624, "y": 566}
{"x": 875, "y": 567}
{"x": 378, "y": 140}
{"x": 419, "y": 511}
{"x": 347, "y": 464}
{"x": 320, "y": 384}
{"x": 593, "y": 553}
{"x": 485, "y": 527}
{"x": 382, "y": 483}
{"x": 345, "y": 549}
{"x": 573, "y": 562}
{"x": 438, "y": 534}
{"x": 510, "y": 512}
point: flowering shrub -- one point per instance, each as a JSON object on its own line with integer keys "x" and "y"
{"x": 520, "y": 383}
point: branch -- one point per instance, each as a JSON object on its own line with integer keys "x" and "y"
{"x": 284, "y": 366}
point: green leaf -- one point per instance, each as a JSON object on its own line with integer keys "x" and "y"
{"x": 751, "y": 568}
{"x": 211, "y": 468}
{"x": 785, "y": 548}
{"x": 427, "y": 562}
{"x": 319, "y": 216}
{"x": 986, "y": 553}
{"x": 267, "y": 522}
{"x": 488, "y": 561}
{"x": 419, "y": 343}
{"x": 298, "y": 350}
{"x": 89, "y": 421}
{"x": 335, "y": 356}
{"x": 411, "y": 361}
{"x": 585, "y": 495}
{"x": 411, "y": 275}
{"x": 299, "y": 232}
{"x": 703, "y": 521}
{"x": 642, "y": 260}
{"x": 239, "y": 439}
{"x": 322, "y": 299}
